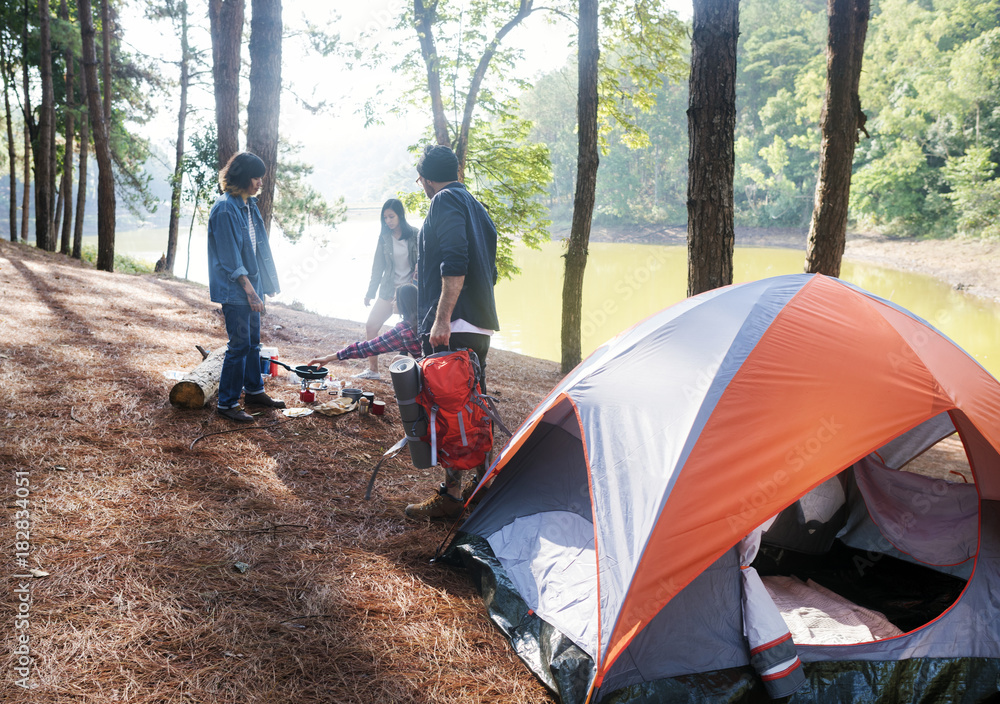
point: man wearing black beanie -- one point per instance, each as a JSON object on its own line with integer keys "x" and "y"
{"x": 456, "y": 258}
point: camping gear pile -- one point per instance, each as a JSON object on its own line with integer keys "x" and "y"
{"x": 306, "y": 373}
{"x": 731, "y": 470}
{"x": 447, "y": 419}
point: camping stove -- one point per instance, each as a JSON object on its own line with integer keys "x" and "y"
{"x": 306, "y": 394}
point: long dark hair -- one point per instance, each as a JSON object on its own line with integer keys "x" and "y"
{"x": 406, "y": 303}
{"x": 396, "y": 206}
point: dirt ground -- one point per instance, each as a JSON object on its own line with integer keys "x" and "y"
{"x": 145, "y": 516}
{"x": 193, "y": 560}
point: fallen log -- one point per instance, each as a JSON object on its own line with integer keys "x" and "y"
{"x": 201, "y": 383}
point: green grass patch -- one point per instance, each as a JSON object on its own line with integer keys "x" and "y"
{"x": 123, "y": 263}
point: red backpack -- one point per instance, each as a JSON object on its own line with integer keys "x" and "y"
{"x": 459, "y": 428}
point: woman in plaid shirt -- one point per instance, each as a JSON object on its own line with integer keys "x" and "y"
{"x": 401, "y": 339}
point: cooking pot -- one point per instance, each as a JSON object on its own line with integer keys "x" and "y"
{"x": 304, "y": 371}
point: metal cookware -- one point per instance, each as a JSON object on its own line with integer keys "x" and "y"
{"x": 304, "y": 371}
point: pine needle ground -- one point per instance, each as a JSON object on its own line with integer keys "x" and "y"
{"x": 144, "y": 518}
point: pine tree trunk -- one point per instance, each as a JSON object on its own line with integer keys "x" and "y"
{"x": 56, "y": 215}
{"x": 66, "y": 192}
{"x": 265, "y": 95}
{"x": 226, "y": 19}
{"x": 81, "y": 195}
{"x": 46, "y": 129}
{"x": 66, "y": 235}
{"x": 106, "y": 63}
{"x": 105, "y": 177}
{"x": 588, "y": 159}
{"x": 178, "y": 180}
{"x": 711, "y": 124}
{"x": 29, "y": 128}
{"x": 11, "y": 151}
{"x": 840, "y": 122}
{"x": 26, "y": 192}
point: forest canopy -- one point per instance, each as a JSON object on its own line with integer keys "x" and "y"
{"x": 930, "y": 90}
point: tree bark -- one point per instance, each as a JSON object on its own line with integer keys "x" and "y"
{"x": 711, "y": 124}
{"x": 226, "y": 20}
{"x": 106, "y": 63}
{"x": 840, "y": 123}
{"x": 588, "y": 159}
{"x": 105, "y": 177}
{"x": 66, "y": 192}
{"x": 200, "y": 384}
{"x": 44, "y": 178}
{"x": 265, "y": 95}
{"x": 424, "y": 16}
{"x": 81, "y": 195}
{"x": 57, "y": 214}
{"x": 11, "y": 152}
{"x": 178, "y": 180}
{"x": 29, "y": 127}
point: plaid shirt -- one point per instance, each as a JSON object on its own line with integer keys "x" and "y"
{"x": 402, "y": 339}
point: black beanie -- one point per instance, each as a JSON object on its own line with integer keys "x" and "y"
{"x": 438, "y": 163}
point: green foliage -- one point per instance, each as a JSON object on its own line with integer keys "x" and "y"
{"x": 642, "y": 47}
{"x": 975, "y": 192}
{"x": 297, "y": 204}
{"x": 931, "y": 87}
{"x": 199, "y": 166}
{"x": 781, "y": 77}
{"x": 550, "y": 106}
{"x": 508, "y": 176}
{"x": 124, "y": 263}
{"x": 899, "y": 192}
{"x": 507, "y": 173}
{"x": 503, "y": 169}
{"x": 643, "y": 125}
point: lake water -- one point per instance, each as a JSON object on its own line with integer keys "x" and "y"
{"x": 624, "y": 284}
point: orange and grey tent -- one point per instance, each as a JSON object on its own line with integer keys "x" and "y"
{"x": 717, "y": 505}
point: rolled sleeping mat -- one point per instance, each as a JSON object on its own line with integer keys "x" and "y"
{"x": 406, "y": 385}
{"x": 420, "y": 453}
{"x": 405, "y": 378}
{"x": 416, "y": 428}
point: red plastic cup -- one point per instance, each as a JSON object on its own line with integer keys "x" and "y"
{"x": 378, "y": 408}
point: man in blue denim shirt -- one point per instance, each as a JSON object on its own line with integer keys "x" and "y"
{"x": 240, "y": 273}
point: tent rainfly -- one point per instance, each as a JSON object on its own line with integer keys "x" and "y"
{"x": 718, "y": 506}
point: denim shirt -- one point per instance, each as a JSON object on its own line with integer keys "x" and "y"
{"x": 231, "y": 255}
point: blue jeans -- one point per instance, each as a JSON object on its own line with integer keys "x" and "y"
{"x": 241, "y": 366}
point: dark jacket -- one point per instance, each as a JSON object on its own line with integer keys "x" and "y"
{"x": 458, "y": 238}
{"x": 231, "y": 254}
{"x": 383, "y": 277}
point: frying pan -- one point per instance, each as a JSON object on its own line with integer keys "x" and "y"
{"x": 304, "y": 371}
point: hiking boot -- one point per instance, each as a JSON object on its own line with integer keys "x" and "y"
{"x": 441, "y": 506}
{"x": 262, "y": 399}
{"x": 471, "y": 487}
{"x": 235, "y": 413}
